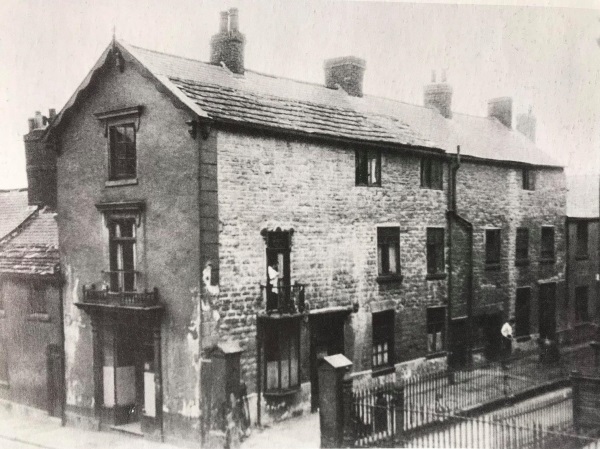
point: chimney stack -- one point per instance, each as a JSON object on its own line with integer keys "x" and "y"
{"x": 347, "y": 72}
{"x": 439, "y": 95}
{"x": 526, "y": 125}
{"x": 501, "y": 108}
{"x": 227, "y": 46}
{"x": 41, "y": 163}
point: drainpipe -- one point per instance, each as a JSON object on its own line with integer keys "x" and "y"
{"x": 63, "y": 394}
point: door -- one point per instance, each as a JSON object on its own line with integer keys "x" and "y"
{"x": 326, "y": 338}
{"x": 55, "y": 380}
{"x": 493, "y": 342}
{"x": 458, "y": 357}
{"x": 547, "y": 311}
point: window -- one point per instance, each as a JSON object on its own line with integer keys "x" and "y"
{"x": 582, "y": 239}
{"x": 122, "y": 234}
{"x": 282, "y": 352}
{"x": 522, "y": 253}
{"x": 547, "y": 252}
{"x": 122, "y": 152}
{"x": 528, "y": 179}
{"x": 36, "y": 297}
{"x": 388, "y": 251}
{"x": 368, "y": 168}
{"x": 436, "y": 324}
{"x": 435, "y": 251}
{"x": 581, "y": 304}
{"x": 492, "y": 246}
{"x": 522, "y": 312}
{"x": 278, "y": 269}
{"x": 431, "y": 173}
{"x": 383, "y": 339}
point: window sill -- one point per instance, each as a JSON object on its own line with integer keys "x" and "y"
{"x": 521, "y": 262}
{"x": 547, "y": 260}
{"x": 523, "y": 338}
{"x": 390, "y": 279}
{"x": 275, "y": 394}
{"x": 41, "y": 317}
{"x": 436, "y": 355}
{"x": 121, "y": 182}
{"x": 433, "y": 188}
{"x": 435, "y": 276}
{"x": 382, "y": 370}
{"x": 492, "y": 266}
{"x": 367, "y": 185}
{"x": 582, "y": 257}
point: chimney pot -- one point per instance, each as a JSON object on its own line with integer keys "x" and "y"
{"x": 347, "y": 72}
{"x": 234, "y": 21}
{"x": 31, "y": 122}
{"x": 51, "y": 114}
{"x": 224, "y": 22}
{"x": 501, "y": 108}
{"x": 39, "y": 120}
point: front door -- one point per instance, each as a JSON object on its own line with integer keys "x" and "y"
{"x": 547, "y": 311}
{"x": 492, "y": 325}
{"x": 459, "y": 343}
{"x": 326, "y": 338}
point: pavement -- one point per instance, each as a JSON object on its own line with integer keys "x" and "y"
{"x": 298, "y": 433}
{"x": 19, "y": 431}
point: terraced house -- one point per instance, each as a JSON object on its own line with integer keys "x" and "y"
{"x": 219, "y": 225}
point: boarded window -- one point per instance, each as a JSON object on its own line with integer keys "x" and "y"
{"x": 368, "y": 168}
{"x": 282, "y": 355}
{"x": 522, "y": 312}
{"x": 547, "y": 250}
{"x": 492, "y": 246}
{"x": 522, "y": 244}
{"x": 582, "y": 239}
{"x": 388, "y": 251}
{"x": 36, "y": 297}
{"x": 122, "y": 152}
{"x": 581, "y": 304}
{"x": 432, "y": 173}
{"x": 435, "y": 250}
{"x": 383, "y": 339}
{"x": 436, "y": 325}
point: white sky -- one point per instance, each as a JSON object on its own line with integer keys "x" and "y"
{"x": 544, "y": 57}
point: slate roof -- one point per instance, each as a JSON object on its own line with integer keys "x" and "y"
{"x": 583, "y": 196}
{"x": 30, "y": 244}
{"x": 14, "y": 210}
{"x": 281, "y": 103}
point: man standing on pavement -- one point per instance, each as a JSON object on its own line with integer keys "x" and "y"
{"x": 507, "y": 338}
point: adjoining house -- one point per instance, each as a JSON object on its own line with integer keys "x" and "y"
{"x": 219, "y": 225}
{"x": 31, "y": 343}
{"x": 580, "y": 311}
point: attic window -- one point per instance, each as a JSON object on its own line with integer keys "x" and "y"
{"x": 368, "y": 167}
{"x": 432, "y": 173}
{"x": 528, "y": 179}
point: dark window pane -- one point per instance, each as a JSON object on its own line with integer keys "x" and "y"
{"x": 528, "y": 179}
{"x": 492, "y": 246}
{"x": 522, "y": 243}
{"x": 37, "y": 299}
{"x": 435, "y": 250}
{"x": 368, "y": 167}
{"x": 582, "y": 239}
{"x": 383, "y": 338}
{"x": 436, "y": 324}
{"x": 522, "y": 311}
{"x": 281, "y": 347}
{"x": 122, "y": 152}
{"x": 432, "y": 171}
{"x": 547, "y": 242}
{"x": 581, "y": 304}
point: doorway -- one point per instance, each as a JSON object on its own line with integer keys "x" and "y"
{"x": 459, "y": 343}
{"x": 547, "y": 311}
{"x": 326, "y": 338}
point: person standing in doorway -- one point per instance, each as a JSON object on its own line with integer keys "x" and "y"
{"x": 273, "y": 285}
{"x": 507, "y": 338}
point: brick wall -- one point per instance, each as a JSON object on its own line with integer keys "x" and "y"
{"x": 266, "y": 182}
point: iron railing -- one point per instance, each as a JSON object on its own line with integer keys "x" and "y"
{"x": 103, "y": 296}
{"x": 284, "y": 298}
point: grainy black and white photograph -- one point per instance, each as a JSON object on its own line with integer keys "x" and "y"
{"x": 307, "y": 224}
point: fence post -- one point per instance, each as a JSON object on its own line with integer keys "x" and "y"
{"x": 335, "y": 400}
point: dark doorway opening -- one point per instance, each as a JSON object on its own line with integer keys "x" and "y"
{"x": 547, "y": 311}
{"x": 326, "y": 338}
{"x": 459, "y": 343}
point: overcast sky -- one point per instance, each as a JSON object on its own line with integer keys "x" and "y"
{"x": 546, "y": 58}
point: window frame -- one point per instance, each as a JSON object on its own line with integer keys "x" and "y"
{"x": 493, "y": 252}
{"x": 528, "y": 179}
{"x": 120, "y": 277}
{"x": 582, "y": 240}
{"x": 579, "y": 307}
{"x": 364, "y": 170}
{"x": 522, "y": 246}
{"x": 547, "y": 248}
{"x": 436, "y": 252}
{"x": 432, "y": 173}
{"x": 115, "y": 174}
{"x": 383, "y": 333}
{"x": 387, "y": 237}
{"x": 37, "y": 301}
{"x": 523, "y": 330}
{"x": 431, "y": 325}
{"x": 275, "y": 333}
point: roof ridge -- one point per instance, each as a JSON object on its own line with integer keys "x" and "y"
{"x": 164, "y": 53}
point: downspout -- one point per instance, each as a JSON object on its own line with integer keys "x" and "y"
{"x": 63, "y": 393}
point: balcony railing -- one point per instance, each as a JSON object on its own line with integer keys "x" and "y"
{"x": 284, "y": 298}
{"x": 123, "y": 299}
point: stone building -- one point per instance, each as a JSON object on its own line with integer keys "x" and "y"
{"x": 205, "y": 208}
{"x": 31, "y": 342}
{"x": 580, "y": 313}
